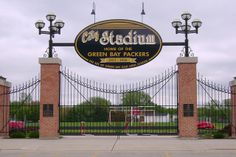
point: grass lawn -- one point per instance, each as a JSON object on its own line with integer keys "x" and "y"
{"x": 118, "y": 128}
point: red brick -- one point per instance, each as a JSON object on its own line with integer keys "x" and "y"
{"x": 49, "y": 94}
{"x": 4, "y": 111}
{"x": 233, "y": 111}
{"x": 187, "y": 95}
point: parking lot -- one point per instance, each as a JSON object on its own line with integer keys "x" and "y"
{"x": 124, "y": 146}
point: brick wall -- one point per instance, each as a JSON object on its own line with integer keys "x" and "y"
{"x": 233, "y": 109}
{"x": 49, "y": 94}
{"x": 187, "y": 95}
{"x": 4, "y": 108}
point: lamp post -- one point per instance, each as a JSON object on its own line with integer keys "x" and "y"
{"x": 186, "y": 29}
{"x": 54, "y": 28}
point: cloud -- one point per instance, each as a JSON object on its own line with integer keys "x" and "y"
{"x": 21, "y": 46}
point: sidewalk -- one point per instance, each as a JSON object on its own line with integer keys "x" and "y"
{"x": 140, "y": 145}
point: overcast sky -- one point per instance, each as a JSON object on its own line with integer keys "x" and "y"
{"x": 21, "y": 46}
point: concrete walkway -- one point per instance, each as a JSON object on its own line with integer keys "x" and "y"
{"x": 102, "y": 146}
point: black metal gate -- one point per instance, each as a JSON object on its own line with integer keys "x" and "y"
{"x": 89, "y": 107}
{"x": 22, "y": 114}
{"x": 214, "y": 107}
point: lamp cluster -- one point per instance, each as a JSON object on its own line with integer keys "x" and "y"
{"x": 186, "y": 28}
{"x": 54, "y": 28}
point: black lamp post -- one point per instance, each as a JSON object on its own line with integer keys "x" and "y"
{"x": 54, "y": 28}
{"x": 186, "y": 29}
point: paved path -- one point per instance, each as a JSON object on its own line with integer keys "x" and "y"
{"x": 111, "y": 146}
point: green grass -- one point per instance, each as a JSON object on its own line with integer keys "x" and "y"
{"x": 110, "y": 128}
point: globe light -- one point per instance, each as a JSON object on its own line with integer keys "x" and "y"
{"x": 51, "y": 17}
{"x": 54, "y": 29}
{"x": 59, "y": 24}
{"x": 176, "y": 23}
{"x": 183, "y": 27}
{"x": 196, "y": 23}
{"x": 39, "y": 24}
{"x": 186, "y": 16}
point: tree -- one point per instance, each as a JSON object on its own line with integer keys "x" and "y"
{"x": 226, "y": 102}
{"x": 23, "y": 111}
{"x": 143, "y": 99}
{"x": 139, "y": 98}
{"x": 215, "y": 111}
{"x": 94, "y": 110}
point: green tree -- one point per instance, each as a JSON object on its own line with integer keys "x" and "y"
{"x": 139, "y": 98}
{"x": 226, "y": 102}
{"x": 143, "y": 99}
{"x": 24, "y": 111}
{"x": 215, "y": 111}
{"x": 94, "y": 110}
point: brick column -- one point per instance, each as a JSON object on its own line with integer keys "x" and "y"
{"x": 187, "y": 96}
{"x": 4, "y": 107}
{"x": 233, "y": 107}
{"x": 49, "y": 98}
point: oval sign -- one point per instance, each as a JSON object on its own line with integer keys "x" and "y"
{"x": 118, "y": 44}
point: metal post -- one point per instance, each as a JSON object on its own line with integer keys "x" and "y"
{"x": 50, "y": 40}
{"x": 186, "y": 39}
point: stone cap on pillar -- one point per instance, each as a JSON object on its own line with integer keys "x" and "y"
{"x": 4, "y": 82}
{"x": 50, "y": 61}
{"x": 187, "y": 60}
{"x": 233, "y": 83}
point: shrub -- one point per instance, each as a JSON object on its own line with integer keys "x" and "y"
{"x": 218, "y": 135}
{"x": 33, "y": 134}
{"x": 17, "y": 134}
{"x": 227, "y": 130}
{"x": 206, "y": 135}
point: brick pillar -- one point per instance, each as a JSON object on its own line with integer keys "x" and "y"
{"x": 4, "y": 107}
{"x": 49, "y": 98}
{"x": 187, "y": 96}
{"x": 233, "y": 107}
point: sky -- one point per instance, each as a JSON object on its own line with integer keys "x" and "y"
{"x": 21, "y": 46}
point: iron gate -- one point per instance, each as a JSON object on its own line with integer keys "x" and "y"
{"x": 22, "y": 114}
{"x": 89, "y": 107}
{"x": 214, "y": 107}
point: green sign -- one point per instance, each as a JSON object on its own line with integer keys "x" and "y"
{"x": 118, "y": 44}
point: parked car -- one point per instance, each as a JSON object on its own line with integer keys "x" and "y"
{"x": 16, "y": 125}
{"x": 205, "y": 125}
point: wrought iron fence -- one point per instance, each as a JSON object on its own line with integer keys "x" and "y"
{"x": 147, "y": 107}
{"x": 214, "y": 107}
{"x": 23, "y": 110}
